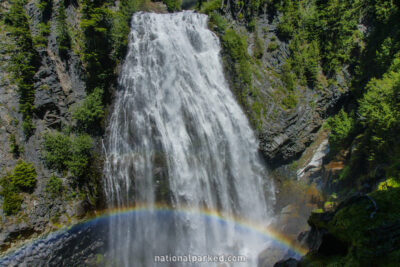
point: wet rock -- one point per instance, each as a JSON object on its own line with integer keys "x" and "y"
{"x": 287, "y": 263}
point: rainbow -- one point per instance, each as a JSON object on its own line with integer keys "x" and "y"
{"x": 268, "y": 232}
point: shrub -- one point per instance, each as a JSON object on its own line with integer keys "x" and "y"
{"x": 24, "y": 176}
{"x": 341, "y": 127}
{"x": 272, "y": 46}
{"x": 80, "y": 154}
{"x": 15, "y": 148}
{"x": 63, "y": 152}
{"x": 288, "y": 78}
{"x": 285, "y": 30}
{"x": 173, "y": 5}
{"x": 40, "y": 40}
{"x": 11, "y": 202}
{"x": 236, "y": 46}
{"x": 90, "y": 112}
{"x": 56, "y": 150}
{"x": 62, "y": 36}
{"x": 290, "y": 101}
{"x": 219, "y": 22}
{"x": 210, "y": 6}
{"x": 252, "y": 25}
{"x": 54, "y": 186}
{"x": 258, "y": 48}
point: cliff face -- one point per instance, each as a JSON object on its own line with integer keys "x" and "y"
{"x": 289, "y": 64}
{"x": 286, "y": 120}
{"x": 59, "y": 85}
{"x": 285, "y": 111}
{"x": 59, "y": 64}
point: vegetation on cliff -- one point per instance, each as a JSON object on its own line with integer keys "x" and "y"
{"x": 68, "y": 152}
{"x": 362, "y": 232}
{"x": 327, "y": 40}
{"x": 371, "y": 124}
{"x": 22, "y": 179}
{"x": 24, "y": 62}
{"x": 324, "y": 39}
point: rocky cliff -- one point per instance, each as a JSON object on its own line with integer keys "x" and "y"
{"x": 289, "y": 64}
{"x": 65, "y": 74}
{"x": 286, "y": 112}
{"x": 59, "y": 84}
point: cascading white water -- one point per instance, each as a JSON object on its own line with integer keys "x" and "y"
{"x": 178, "y": 136}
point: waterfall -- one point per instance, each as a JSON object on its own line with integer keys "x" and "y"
{"x": 178, "y": 137}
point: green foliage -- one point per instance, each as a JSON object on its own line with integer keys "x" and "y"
{"x": 63, "y": 152}
{"x": 379, "y": 105}
{"x": 336, "y": 24}
{"x": 360, "y": 227}
{"x": 15, "y": 148}
{"x": 24, "y": 61}
{"x": 320, "y": 31}
{"x": 258, "y": 48}
{"x": 242, "y": 67}
{"x": 90, "y": 111}
{"x": 45, "y": 7}
{"x": 272, "y": 46}
{"x": 40, "y": 40}
{"x": 388, "y": 184}
{"x": 285, "y": 30}
{"x": 373, "y": 134}
{"x": 304, "y": 60}
{"x": 342, "y": 126}
{"x": 290, "y": 101}
{"x": 56, "y": 150}
{"x": 384, "y": 10}
{"x": 252, "y": 24}
{"x": 173, "y": 5}
{"x": 120, "y": 26}
{"x": 62, "y": 36}
{"x": 22, "y": 179}
{"x": 11, "y": 201}
{"x": 288, "y": 78}
{"x": 236, "y": 46}
{"x": 290, "y": 19}
{"x": 80, "y": 154}
{"x": 353, "y": 222}
{"x": 209, "y": 7}
{"x": 96, "y": 24}
{"x": 24, "y": 176}
{"x": 54, "y": 186}
{"x": 218, "y": 23}
{"x": 380, "y": 115}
